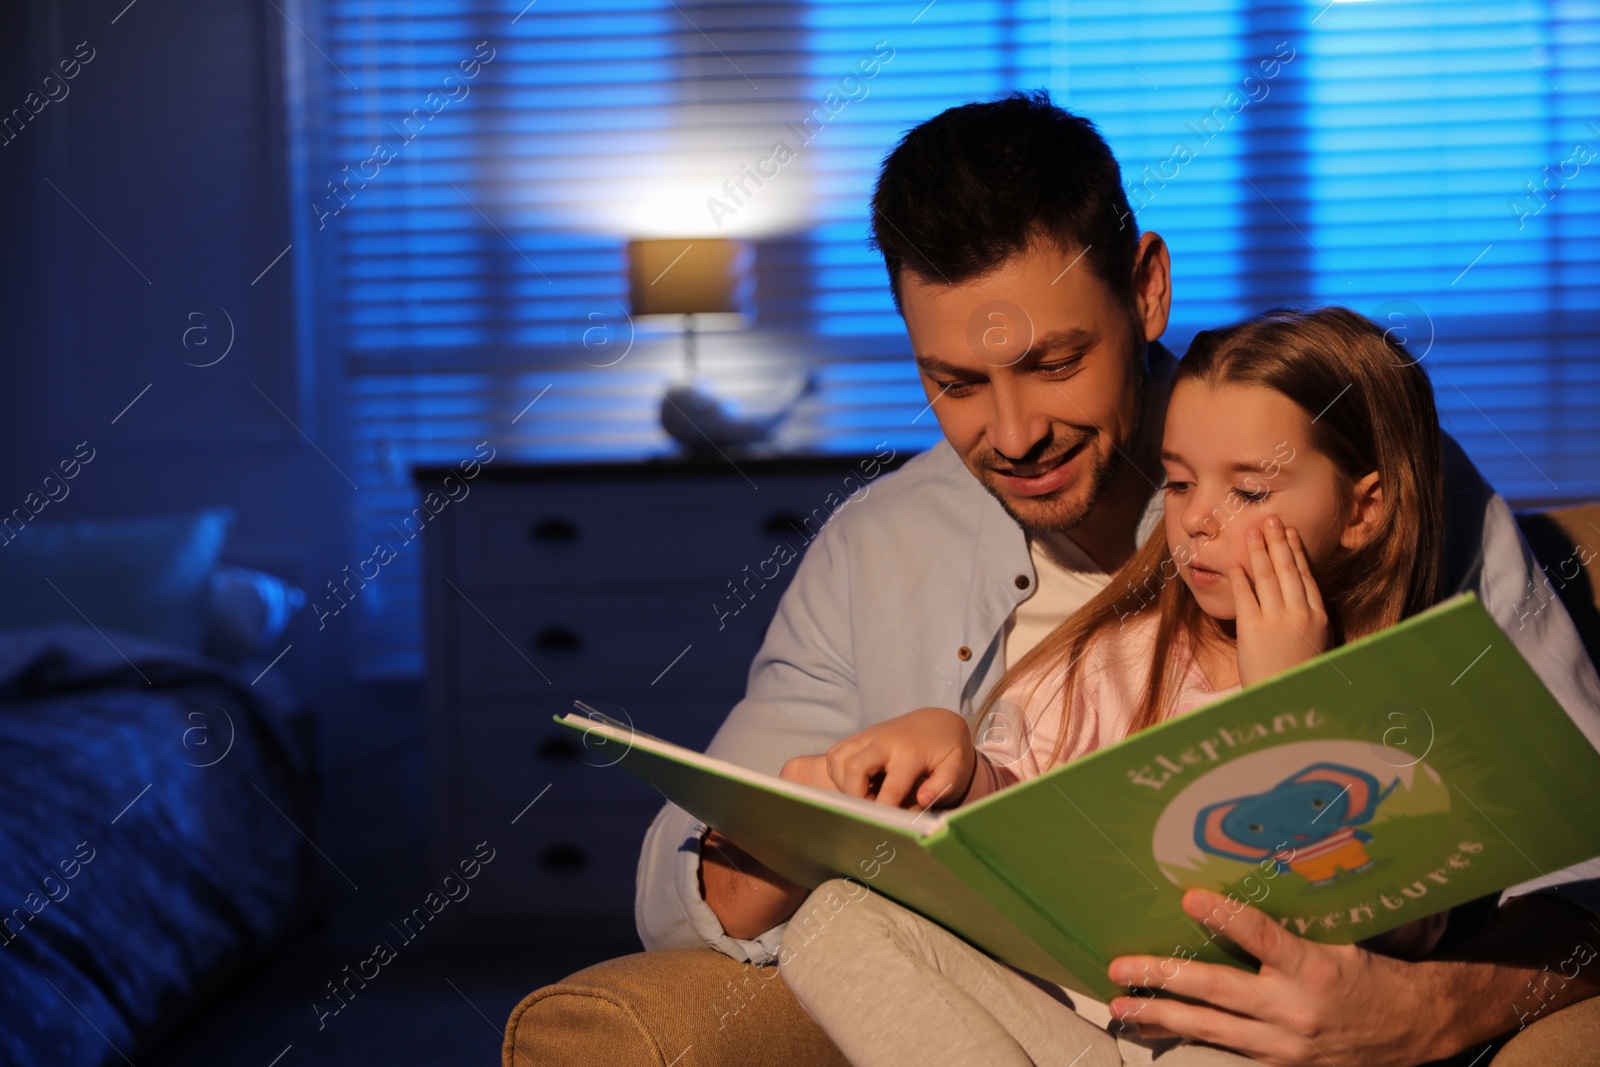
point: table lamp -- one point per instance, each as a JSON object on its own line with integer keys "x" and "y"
{"x": 689, "y": 277}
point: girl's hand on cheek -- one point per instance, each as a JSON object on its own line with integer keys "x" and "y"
{"x": 1281, "y": 622}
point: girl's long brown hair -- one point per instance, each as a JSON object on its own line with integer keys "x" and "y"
{"x": 1372, "y": 409}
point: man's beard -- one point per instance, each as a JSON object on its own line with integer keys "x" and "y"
{"x": 1060, "y": 516}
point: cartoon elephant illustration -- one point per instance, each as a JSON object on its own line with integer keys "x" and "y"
{"x": 1306, "y": 823}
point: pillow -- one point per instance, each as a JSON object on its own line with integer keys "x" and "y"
{"x": 147, "y": 576}
{"x": 247, "y": 611}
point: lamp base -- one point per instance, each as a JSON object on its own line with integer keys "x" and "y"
{"x": 699, "y": 420}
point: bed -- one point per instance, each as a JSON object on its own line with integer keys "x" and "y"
{"x": 153, "y": 811}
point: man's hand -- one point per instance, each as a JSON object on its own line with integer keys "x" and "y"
{"x": 1310, "y": 1004}
{"x": 1318, "y": 1004}
{"x": 1282, "y": 622}
{"x": 922, "y": 758}
{"x": 747, "y": 897}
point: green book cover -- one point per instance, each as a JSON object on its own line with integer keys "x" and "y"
{"x": 1395, "y": 777}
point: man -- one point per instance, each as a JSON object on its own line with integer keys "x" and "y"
{"x": 1034, "y": 309}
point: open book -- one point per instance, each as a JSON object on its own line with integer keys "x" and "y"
{"x": 1398, "y": 776}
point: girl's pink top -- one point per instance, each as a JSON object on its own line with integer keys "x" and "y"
{"x": 1017, "y": 740}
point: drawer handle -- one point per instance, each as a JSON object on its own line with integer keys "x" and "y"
{"x": 553, "y": 532}
{"x": 780, "y": 523}
{"x": 558, "y": 639}
{"x": 564, "y": 858}
{"x": 557, "y": 750}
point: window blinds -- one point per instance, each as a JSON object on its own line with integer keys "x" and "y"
{"x": 1435, "y": 165}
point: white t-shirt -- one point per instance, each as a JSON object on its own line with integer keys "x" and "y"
{"x": 1065, "y": 580}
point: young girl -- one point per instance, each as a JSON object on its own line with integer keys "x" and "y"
{"x": 1302, "y": 509}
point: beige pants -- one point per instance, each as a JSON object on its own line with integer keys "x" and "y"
{"x": 892, "y": 988}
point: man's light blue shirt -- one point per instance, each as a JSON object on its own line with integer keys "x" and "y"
{"x": 924, "y": 567}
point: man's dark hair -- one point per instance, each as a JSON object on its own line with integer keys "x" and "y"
{"x": 974, "y": 185}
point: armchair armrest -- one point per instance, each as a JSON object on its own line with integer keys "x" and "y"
{"x": 699, "y": 1008}
{"x": 674, "y": 1008}
{"x": 1565, "y": 1038}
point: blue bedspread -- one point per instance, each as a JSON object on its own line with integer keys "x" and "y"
{"x": 148, "y": 840}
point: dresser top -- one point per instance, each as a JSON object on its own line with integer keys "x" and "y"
{"x": 660, "y": 467}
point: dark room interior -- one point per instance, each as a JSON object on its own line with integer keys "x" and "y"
{"x": 380, "y": 379}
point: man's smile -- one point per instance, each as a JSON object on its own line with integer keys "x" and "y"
{"x": 1038, "y": 479}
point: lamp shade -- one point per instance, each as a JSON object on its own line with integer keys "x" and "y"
{"x": 686, "y": 276}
